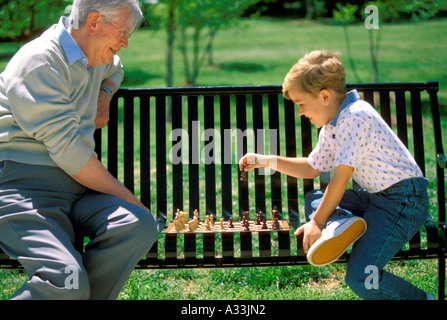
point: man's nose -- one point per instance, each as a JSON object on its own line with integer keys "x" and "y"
{"x": 125, "y": 42}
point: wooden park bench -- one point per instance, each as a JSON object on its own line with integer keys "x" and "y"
{"x": 178, "y": 148}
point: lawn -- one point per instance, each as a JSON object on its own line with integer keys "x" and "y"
{"x": 261, "y": 51}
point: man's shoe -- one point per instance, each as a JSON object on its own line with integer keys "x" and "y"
{"x": 335, "y": 240}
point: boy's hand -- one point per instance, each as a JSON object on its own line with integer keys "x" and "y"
{"x": 252, "y": 161}
{"x": 312, "y": 232}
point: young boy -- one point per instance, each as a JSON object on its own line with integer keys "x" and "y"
{"x": 354, "y": 142}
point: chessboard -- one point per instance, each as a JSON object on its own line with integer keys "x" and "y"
{"x": 216, "y": 228}
{"x": 260, "y": 224}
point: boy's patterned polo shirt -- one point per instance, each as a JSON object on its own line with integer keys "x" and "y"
{"x": 360, "y": 138}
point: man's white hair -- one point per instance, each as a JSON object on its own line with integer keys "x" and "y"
{"x": 109, "y": 8}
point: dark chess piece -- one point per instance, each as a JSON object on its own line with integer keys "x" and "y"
{"x": 275, "y": 219}
{"x": 244, "y": 176}
{"x": 264, "y": 223}
{"x": 245, "y": 223}
{"x": 275, "y": 225}
{"x": 275, "y": 212}
{"x": 258, "y": 218}
{"x": 230, "y": 223}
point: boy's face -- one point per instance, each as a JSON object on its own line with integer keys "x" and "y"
{"x": 319, "y": 109}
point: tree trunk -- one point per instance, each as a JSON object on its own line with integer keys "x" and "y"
{"x": 169, "y": 68}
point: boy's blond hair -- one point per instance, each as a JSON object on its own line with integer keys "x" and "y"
{"x": 317, "y": 70}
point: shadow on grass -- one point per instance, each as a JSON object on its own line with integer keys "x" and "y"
{"x": 136, "y": 77}
{"x": 242, "y": 67}
{"x": 6, "y": 56}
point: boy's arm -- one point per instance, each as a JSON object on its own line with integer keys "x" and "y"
{"x": 331, "y": 198}
{"x": 294, "y": 167}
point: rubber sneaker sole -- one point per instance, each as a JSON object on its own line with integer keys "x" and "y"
{"x": 326, "y": 251}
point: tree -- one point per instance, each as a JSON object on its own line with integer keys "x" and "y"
{"x": 345, "y": 15}
{"x": 387, "y": 10}
{"x": 192, "y": 26}
{"x": 204, "y": 18}
{"x": 22, "y": 20}
{"x": 375, "y": 13}
{"x": 372, "y": 22}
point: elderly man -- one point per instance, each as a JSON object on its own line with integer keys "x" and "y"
{"x": 52, "y": 93}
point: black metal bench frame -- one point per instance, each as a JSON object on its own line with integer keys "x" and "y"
{"x": 136, "y": 113}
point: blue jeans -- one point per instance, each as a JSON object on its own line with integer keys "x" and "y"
{"x": 393, "y": 216}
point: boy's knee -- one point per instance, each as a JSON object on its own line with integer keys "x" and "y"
{"x": 354, "y": 281}
{"x": 312, "y": 200}
{"x": 313, "y": 195}
{"x": 362, "y": 284}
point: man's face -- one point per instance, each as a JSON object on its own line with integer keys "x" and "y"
{"x": 109, "y": 37}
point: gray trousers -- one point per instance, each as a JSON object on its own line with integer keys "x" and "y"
{"x": 40, "y": 209}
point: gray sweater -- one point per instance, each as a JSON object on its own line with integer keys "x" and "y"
{"x": 48, "y": 102}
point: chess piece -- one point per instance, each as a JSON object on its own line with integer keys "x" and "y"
{"x": 275, "y": 225}
{"x": 193, "y": 225}
{"x": 264, "y": 223}
{"x": 179, "y": 224}
{"x": 246, "y": 224}
{"x": 258, "y": 218}
{"x": 207, "y": 223}
{"x": 183, "y": 217}
{"x": 230, "y": 223}
{"x": 275, "y": 219}
{"x": 244, "y": 175}
{"x": 196, "y": 217}
{"x": 221, "y": 223}
{"x": 275, "y": 212}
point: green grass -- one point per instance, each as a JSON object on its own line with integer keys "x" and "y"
{"x": 269, "y": 283}
{"x": 261, "y": 51}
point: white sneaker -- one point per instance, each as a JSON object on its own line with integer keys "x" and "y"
{"x": 335, "y": 240}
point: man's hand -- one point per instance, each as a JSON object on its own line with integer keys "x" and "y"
{"x": 102, "y": 116}
{"x": 94, "y": 175}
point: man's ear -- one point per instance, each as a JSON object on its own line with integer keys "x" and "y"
{"x": 93, "y": 20}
